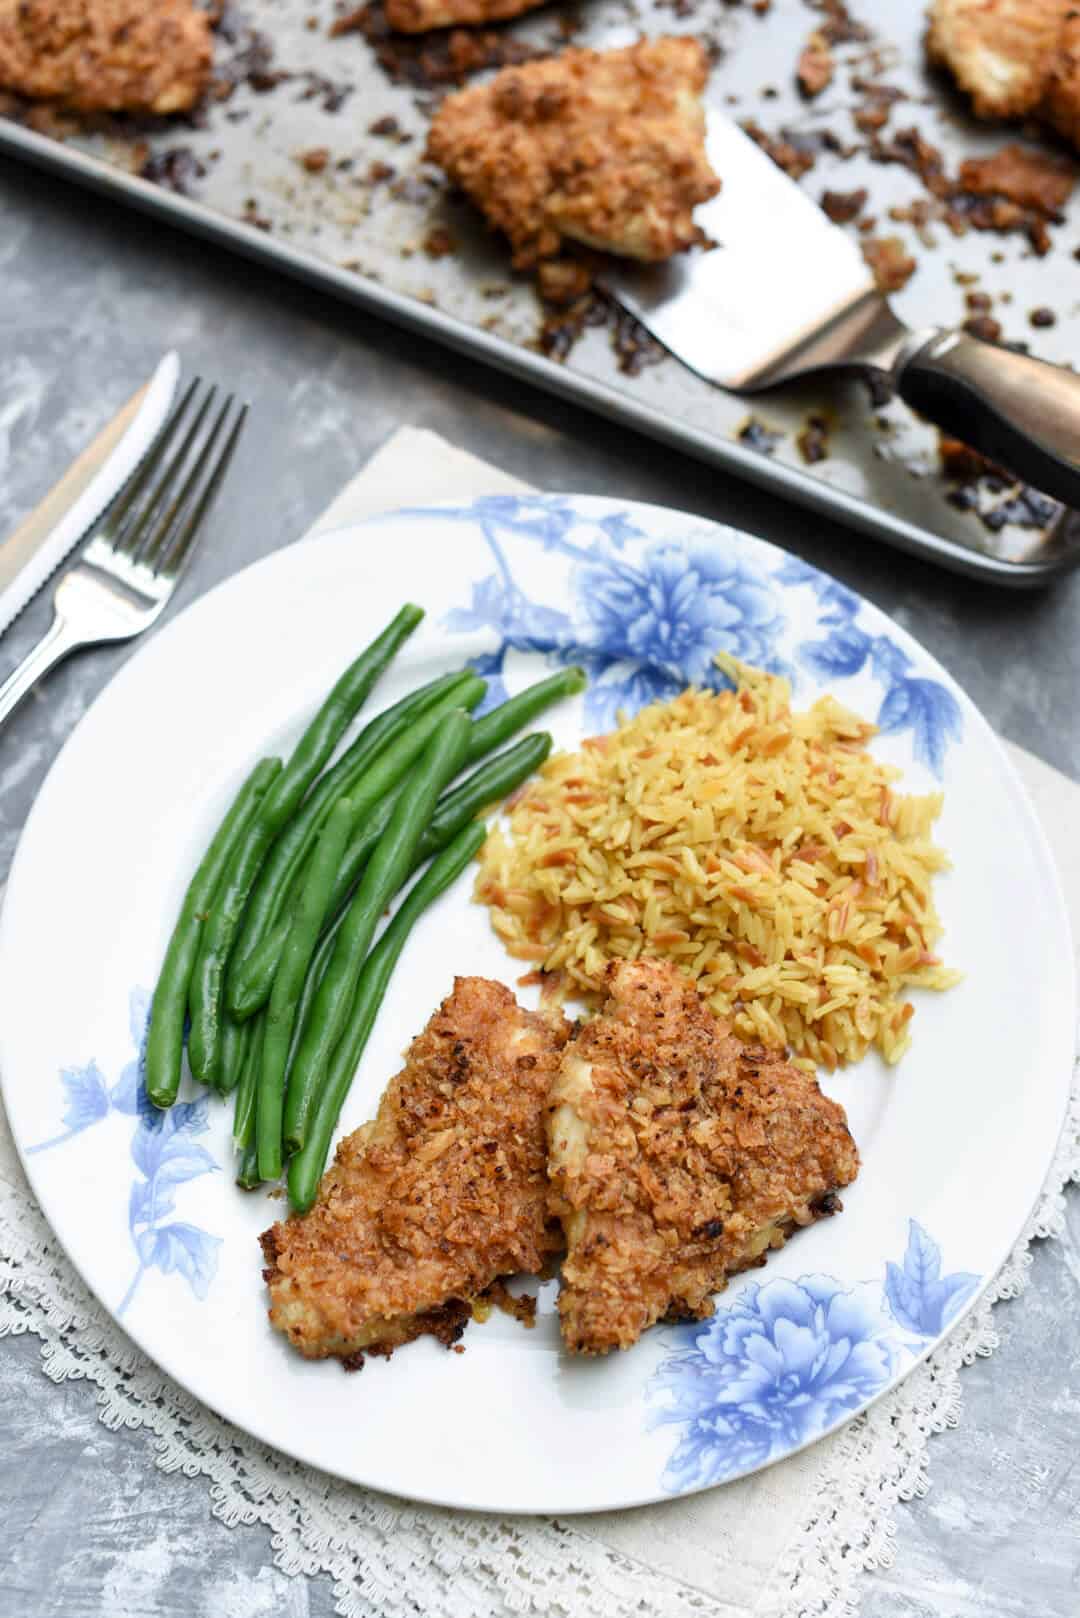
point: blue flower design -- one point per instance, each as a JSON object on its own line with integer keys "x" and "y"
{"x": 920, "y": 1298}
{"x": 924, "y": 707}
{"x": 788, "y": 1360}
{"x": 769, "y": 1373}
{"x": 163, "y": 1151}
{"x": 650, "y": 616}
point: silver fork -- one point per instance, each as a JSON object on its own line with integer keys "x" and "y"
{"x": 137, "y": 550}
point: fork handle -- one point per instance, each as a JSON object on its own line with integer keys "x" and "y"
{"x": 1013, "y": 408}
{"x": 58, "y": 640}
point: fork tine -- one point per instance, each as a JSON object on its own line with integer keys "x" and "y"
{"x": 114, "y": 520}
{"x": 145, "y": 520}
{"x": 183, "y": 473}
{"x": 180, "y": 544}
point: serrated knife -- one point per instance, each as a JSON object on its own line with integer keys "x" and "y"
{"x": 36, "y": 548}
{"x": 785, "y": 293}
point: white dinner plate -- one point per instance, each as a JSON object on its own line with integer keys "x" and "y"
{"x": 955, "y": 1143}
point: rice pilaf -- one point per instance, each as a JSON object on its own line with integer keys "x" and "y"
{"x": 766, "y": 852}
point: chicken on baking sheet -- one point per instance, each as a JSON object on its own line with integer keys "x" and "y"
{"x": 418, "y": 16}
{"x": 606, "y": 148}
{"x": 441, "y": 1194}
{"x": 1014, "y": 58}
{"x": 149, "y": 56}
{"x": 678, "y": 1156}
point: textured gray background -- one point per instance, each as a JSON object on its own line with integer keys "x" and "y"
{"x": 89, "y": 298}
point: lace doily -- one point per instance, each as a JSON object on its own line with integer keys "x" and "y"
{"x": 387, "y": 1558}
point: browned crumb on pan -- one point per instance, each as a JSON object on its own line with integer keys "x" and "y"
{"x": 314, "y": 160}
{"x": 812, "y": 439}
{"x": 794, "y": 160}
{"x": 815, "y": 68}
{"x": 605, "y": 148}
{"x": 106, "y": 55}
{"x": 844, "y": 206}
{"x": 889, "y": 260}
{"x": 442, "y": 56}
{"x": 963, "y": 209}
{"x": 442, "y": 1193}
{"x": 1023, "y": 175}
{"x": 679, "y": 1156}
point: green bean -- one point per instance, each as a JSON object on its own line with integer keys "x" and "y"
{"x": 288, "y": 983}
{"x": 244, "y": 1104}
{"x": 296, "y": 839}
{"x": 165, "y": 1043}
{"x": 487, "y": 785}
{"x": 247, "y": 1168}
{"x": 234, "y": 1044}
{"x": 385, "y": 872}
{"x": 333, "y": 718}
{"x": 386, "y": 773}
{"x": 311, "y": 752}
{"x": 306, "y": 1167}
{"x": 502, "y": 722}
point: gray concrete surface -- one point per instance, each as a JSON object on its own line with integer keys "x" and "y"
{"x": 89, "y": 297}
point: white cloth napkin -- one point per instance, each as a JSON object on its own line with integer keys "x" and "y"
{"x": 790, "y": 1542}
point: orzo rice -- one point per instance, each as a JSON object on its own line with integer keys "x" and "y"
{"x": 764, "y": 851}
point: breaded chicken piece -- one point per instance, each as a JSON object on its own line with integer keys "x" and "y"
{"x": 1001, "y": 52}
{"x": 601, "y": 147}
{"x": 150, "y": 56}
{"x": 418, "y": 16}
{"x": 444, "y": 1191}
{"x": 1061, "y": 105}
{"x": 677, "y": 1156}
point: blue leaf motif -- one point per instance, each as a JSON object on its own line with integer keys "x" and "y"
{"x": 625, "y": 688}
{"x": 489, "y": 665}
{"x": 158, "y": 1152}
{"x": 125, "y": 1093}
{"x": 487, "y": 611}
{"x": 140, "y": 1204}
{"x": 182, "y": 1248}
{"x": 619, "y": 528}
{"x": 919, "y": 1298}
{"x": 841, "y": 656}
{"x": 87, "y": 1097}
{"x": 929, "y": 711}
{"x": 890, "y": 661}
{"x": 191, "y": 1117}
{"x": 139, "y": 1003}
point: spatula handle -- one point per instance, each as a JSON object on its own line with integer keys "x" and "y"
{"x": 1021, "y": 412}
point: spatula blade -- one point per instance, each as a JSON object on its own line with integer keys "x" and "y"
{"x": 780, "y": 271}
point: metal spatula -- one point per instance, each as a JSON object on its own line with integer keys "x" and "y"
{"x": 786, "y": 293}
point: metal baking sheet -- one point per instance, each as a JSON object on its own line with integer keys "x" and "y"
{"x": 244, "y": 173}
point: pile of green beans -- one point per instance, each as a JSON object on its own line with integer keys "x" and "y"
{"x": 273, "y": 962}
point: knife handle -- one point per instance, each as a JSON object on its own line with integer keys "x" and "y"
{"x": 58, "y": 640}
{"x": 1021, "y": 412}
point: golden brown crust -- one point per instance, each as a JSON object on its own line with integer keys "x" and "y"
{"x": 1001, "y": 52}
{"x": 418, "y": 16}
{"x": 602, "y": 147}
{"x": 442, "y": 1192}
{"x": 678, "y": 1156}
{"x": 106, "y": 55}
{"x": 1061, "y": 107}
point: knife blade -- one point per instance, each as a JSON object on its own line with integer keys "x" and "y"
{"x": 39, "y": 544}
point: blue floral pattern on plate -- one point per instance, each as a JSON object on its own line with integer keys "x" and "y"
{"x": 788, "y": 1359}
{"x": 164, "y": 1151}
{"x": 648, "y": 616}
